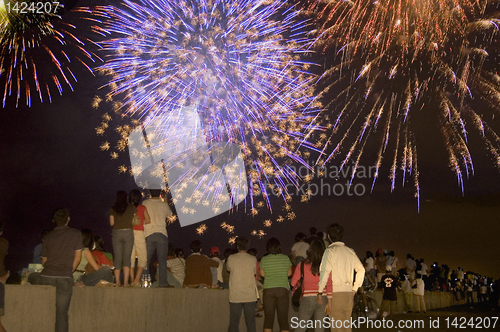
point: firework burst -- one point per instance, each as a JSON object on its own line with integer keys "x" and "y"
{"x": 39, "y": 51}
{"x": 400, "y": 64}
{"x": 212, "y": 81}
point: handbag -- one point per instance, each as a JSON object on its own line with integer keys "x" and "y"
{"x": 136, "y": 220}
{"x": 298, "y": 289}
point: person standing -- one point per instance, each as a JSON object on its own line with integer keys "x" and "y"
{"x": 341, "y": 261}
{"x": 408, "y": 294}
{"x": 299, "y": 249}
{"x": 390, "y": 294}
{"x": 308, "y": 304}
{"x": 275, "y": 268}
{"x": 418, "y": 290}
{"x": 156, "y": 233}
{"x": 61, "y": 254}
{"x": 410, "y": 266}
{"x": 120, "y": 217}
{"x": 242, "y": 288}
{"x": 139, "y": 249}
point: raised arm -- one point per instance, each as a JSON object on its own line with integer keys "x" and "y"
{"x": 111, "y": 220}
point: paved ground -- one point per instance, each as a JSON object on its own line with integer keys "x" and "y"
{"x": 458, "y": 318}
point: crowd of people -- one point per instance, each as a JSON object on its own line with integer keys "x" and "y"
{"x": 329, "y": 272}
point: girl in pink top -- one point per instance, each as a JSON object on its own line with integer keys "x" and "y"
{"x": 309, "y": 302}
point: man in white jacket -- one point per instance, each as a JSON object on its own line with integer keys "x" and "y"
{"x": 341, "y": 261}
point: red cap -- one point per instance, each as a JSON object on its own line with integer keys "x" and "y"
{"x": 214, "y": 250}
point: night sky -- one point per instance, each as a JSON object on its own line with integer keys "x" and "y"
{"x": 50, "y": 158}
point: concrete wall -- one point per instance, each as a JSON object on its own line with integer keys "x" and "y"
{"x": 31, "y": 308}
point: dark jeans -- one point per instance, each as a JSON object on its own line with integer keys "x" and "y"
{"x": 158, "y": 242}
{"x": 64, "y": 290}
{"x": 91, "y": 279}
{"x": 276, "y": 299}
{"x": 235, "y": 314}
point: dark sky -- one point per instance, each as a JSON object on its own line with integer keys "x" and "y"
{"x": 50, "y": 157}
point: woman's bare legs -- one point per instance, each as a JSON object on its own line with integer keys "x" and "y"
{"x": 132, "y": 275}
{"x": 137, "y": 280}
{"x": 126, "y": 276}
{"x": 117, "y": 278}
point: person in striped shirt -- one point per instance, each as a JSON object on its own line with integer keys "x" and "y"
{"x": 275, "y": 268}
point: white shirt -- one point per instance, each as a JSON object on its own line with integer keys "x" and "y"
{"x": 241, "y": 267}
{"x": 341, "y": 261}
{"x": 158, "y": 212}
{"x": 219, "y": 269}
{"x": 369, "y": 263}
{"x": 424, "y": 269}
{"x": 300, "y": 249}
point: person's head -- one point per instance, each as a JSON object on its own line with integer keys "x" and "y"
{"x": 214, "y": 251}
{"x": 179, "y": 252}
{"x": 252, "y": 251}
{"x": 171, "y": 249}
{"x": 391, "y": 253}
{"x": 369, "y": 254}
{"x": 134, "y": 197}
{"x": 88, "y": 238}
{"x": 61, "y": 217}
{"x": 419, "y": 276}
{"x": 300, "y": 237}
{"x": 98, "y": 243}
{"x": 273, "y": 246}
{"x": 335, "y": 232}
{"x": 121, "y": 202}
{"x": 313, "y": 231}
{"x": 241, "y": 243}
{"x": 195, "y": 246}
{"x": 155, "y": 192}
{"x": 408, "y": 256}
{"x": 320, "y": 235}
{"x": 314, "y": 255}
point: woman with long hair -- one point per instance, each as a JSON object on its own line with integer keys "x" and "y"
{"x": 96, "y": 274}
{"x": 275, "y": 268}
{"x": 120, "y": 217}
{"x": 309, "y": 302}
{"x": 139, "y": 249}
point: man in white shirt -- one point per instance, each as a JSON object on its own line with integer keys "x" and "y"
{"x": 242, "y": 289}
{"x": 156, "y": 233}
{"x": 410, "y": 266}
{"x": 341, "y": 261}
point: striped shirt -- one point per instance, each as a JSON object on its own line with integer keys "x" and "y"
{"x": 276, "y": 270}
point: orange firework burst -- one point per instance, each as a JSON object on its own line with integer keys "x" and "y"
{"x": 395, "y": 65}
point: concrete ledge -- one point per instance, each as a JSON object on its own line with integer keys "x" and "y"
{"x": 32, "y": 308}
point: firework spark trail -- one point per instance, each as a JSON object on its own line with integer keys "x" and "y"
{"x": 37, "y": 49}
{"x": 231, "y": 63}
{"x": 395, "y": 58}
